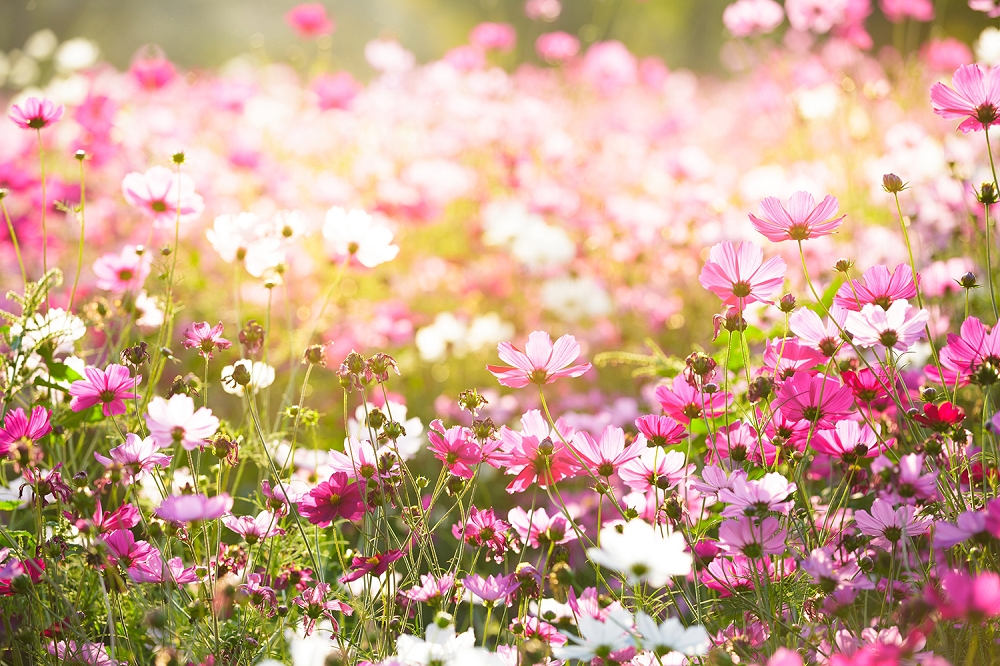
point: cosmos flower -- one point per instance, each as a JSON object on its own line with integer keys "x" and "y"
{"x": 109, "y": 388}
{"x": 899, "y": 327}
{"x": 36, "y": 113}
{"x": 739, "y": 275}
{"x": 176, "y": 421}
{"x": 135, "y": 457}
{"x": 355, "y": 233}
{"x": 975, "y": 98}
{"x": 541, "y": 362}
{"x": 642, "y": 552}
{"x": 163, "y": 195}
{"x": 191, "y": 508}
{"x": 801, "y": 219}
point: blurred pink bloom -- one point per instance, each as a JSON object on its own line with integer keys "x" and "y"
{"x": 123, "y": 549}
{"x": 120, "y": 273}
{"x": 989, "y": 7}
{"x": 456, "y": 447}
{"x": 849, "y": 441}
{"x": 800, "y": 220}
{"x": 686, "y": 403}
{"x": 852, "y": 29}
{"x": 752, "y": 538}
{"x": 355, "y": 233}
{"x": 110, "y": 388}
{"x": 205, "y": 338}
{"x": 493, "y": 37}
{"x": 36, "y": 113}
{"x": 946, "y": 55}
{"x": 388, "y": 56}
{"x": 877, "y": 286}
{"x": 191, "y": 508}
{"x": 739, "y": 275}
{"x": 310, "y": 20}
{"x": 152, "y": 72}
{"x": 19, "y": 428}
{"x": 541, "y": 362}
{"x": 968, "y": 525}
{"x": 314, "y": 605}
{"x": 332, "y": 500}
{"x": 889, "y": 525}
{"x": 968, "y": 596}
{"x": 175, "y": 421}
{"x": 536, "y": 455}
{"x": 542, "y": 10}
{"x": 898, "y": 11}
{"x": 85, "y": 654}
{"x": 752, "y": 17}
{"x": 466, "y": 58}
{"x": 160, "y": 193}
{"x": 783, "y": 357}
{"x": 976, "y": 98}
{"x": 609, "y": 67}
{"x": 557, "y": 46}
{"x": 135, "y": 457}
{"x": 817, "y": 16}
{"x": 335, "y": 91}
{"x": 899, "y": 327}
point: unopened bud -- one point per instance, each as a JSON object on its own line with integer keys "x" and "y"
{"x": 892, "y": 183}
{"x": 968, "y": 281}
{"x": 987, "y": 194}
{"x": 315, "y": 355}
{"x": 843, "y": 265}
{"x": 928, "y": 394}
{"x": 787, "y": 303}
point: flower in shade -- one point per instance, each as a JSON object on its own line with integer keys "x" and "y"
{"x": 832, "y": 573}
{"x": 684, "y": 402}
{"x": 456, "y": 447}
{"x": 35, "y": 113}
{"x": 19, "y": 429}
{"x": 536, "y": 455}
{"x": 135, "y": 457}
{"x": 192, "y": 508}
{"x": 739, "y": 275}
{"x": 310, "y": 20}
{"x": 753, "y": 538}
{"x": 968, "y": 525}
{"x": 355, "y": 233}
{"x": 124, "y": 550}
{"x": 877, "y": 286}
{"x": 431, "y": 589}
{"x": 492, "y": 589}
{"x": 374, "y": 565}
{"x": 73, "y": 653}
{"x": 175, "y": 421}
{"x": 889, "y": 525}
{"x": 119, "y": 273}
{"x": 749, "y": 17}
{"x": 163, "y": 195}
{"x": 331, "y": 500}
{"x": 314, "y": 604}
{"x": 205, "y": 338}
{"x": 849, "y": 441}
{"x": 541, "y": 362}
{"x": 899, "y": 327}
{"x": 605, "y": 456}
{"x": 642, "y": 552}
{"x": 109, "y": 388}
{"x": 800, "y": 220}
{"x": 898, "y": 11}
{"x": 962, "y": 596}
{"x": 975, "y": 98}
{"x": 254, "y": 529}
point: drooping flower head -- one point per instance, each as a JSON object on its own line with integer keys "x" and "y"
{"x": 36, "y": 113}
{"x": 975, "y": 98}
{"x": 109, "y": 388}
{"x": 739, "y": 275}
{"x": 541, "y": 362}
{"x": 801, "y": 219}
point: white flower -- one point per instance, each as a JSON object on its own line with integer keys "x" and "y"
{"x": 443, "y": 647}
{"x": 355, "y": 233}
{"x": 231, "y": 235}
{"x": 314, "y": 649}
{"x": 433, "y": 341}
{"x": 988, "y": 47}
{"x": 540, "y": 246}
{"x": 55, "y": 326}
{"x": 576, "y": 298}
{"x": 642, "y": 553}
{"x": 150, "y": 311}
{"x": 671, "y": 636}
{"x": 75, "y": 54}
{"x": 261, "y": 376}
{"x": 389, "y": 56}
{"x": 487, "y": 331}
{"x": 598, "y": 638}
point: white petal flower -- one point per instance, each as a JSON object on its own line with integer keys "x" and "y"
{"x": 642, "y": 552}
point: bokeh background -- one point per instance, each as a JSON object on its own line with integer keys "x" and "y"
{"x": 207, "y": 33}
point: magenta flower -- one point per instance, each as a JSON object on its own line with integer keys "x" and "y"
{"x": 968, "y": 525}
{"x": 175, "y": 421}
{"x": 739, "y": 275}
{"x": 484, "y": 530}
{"x": 255, "y": 529}
{"x": 123, "y": 272}
{"x": 758, "y": 497}
{"x": 739, "y": 442}
{"x": 160, "y": 193}
{"x": 375, "y": 565}
{"x": 898, "y": 11}
{"x": 684, "y": 402}
{"x": 194, "y": 508}
{"x": 124, "y": 517}
{"x": 206, "y": 339}
{"x": 541, "y": 362}
{"x": 889, "y": 526}
{"x": 898, "y": 327}
{"x": 332, "y": 500}
{"x": 493, "y": 37}
{"x": 110, "y": 388}
{"x": 431, "y": 589}
{"x": 124, "y": 550}
{"x": 660, "y": 431}
{"x": 818, "y": 399}
{"x": 258, "y": 595}
{"x": 310, "y": 20}
{"x": 315, "y": 605}
{"x": 877, "y": 286}
{"x": 832, "y": 574}
{"x": 557, "y": 46}
{"x": 732, "y": 575}
{"x": 849, "y": 441}
{"x": 973, "y": 355}
{"x": 801, "y": 220}
{"x": 605, "y": 456}
{"x": 492, "y": 589}
{"x": 36, "y": 113}
{"x": 975, "y": 99}
{"x": 135, "y": 457}
{"x": 536, "y": 455}
{"x": 752, "y": 538}
{"x": 19, "y": 428}
{"x": 967, "y": 596}
{"x": 456, "y": 447}
{"x": 82, "y": 654}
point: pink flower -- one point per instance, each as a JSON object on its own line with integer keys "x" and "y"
{"x": 543, "y": 10}
{"x": 538, "y": 529}
{"x": 375, "y": 565}
{"x": 205, "y": 338}
{"x": 152, "y": 72}
{"x": 493, "y": 37}
{"x": 898, "y": 11}
{"x": 541, "y": 362}
{"x": 818, "y": 399}
{"x": 849, "y": 441}
{"x": 783, "y": 357}
{"x": 831, "y": 574}
{"x": 175, "y": 421}
{"x": 964, "y": 357}
{"x": 310, "y": 20}
{"x": 456, "y": 448}
{"x": 989, "y": 7}
{"x": 82, "y": 654}
{"x": 557, "y": 46}
{"x": 715, "y": 479}
{"x": 160, "y": 193}
{"x": 536, "y": 455}
{"x": 889, "y": 526}
{"x": 653, "y": 469}
{"x": 752, "y": 17}
{"x": 817, "y": 16}
{"x": 756, "y": 498}
{"x": 739, "y": 275}
{"x": 331, "y": 500}
{"x": 899, "y": 327}
{"x": 192, "y": 508}
{"x": 262, "y": 526}
{"x": 975, "y": 99}
{"x": 36, "y": 113}
{"x": 484, "y": 530}
{"x": 877, "y": 286}
{"x": 823, "y": 336}
{"x": 315, "y": 605}
{"x": 606, "y": 456}
{"x": 431, "y": 589}
{"x": 135, "y": 457}
{"x": 660, "y": 431}
{"x": 752, "y": 538}
{"x": 335, "y": 91}
{"x": 120, "y": 273}
{"x": 966, "y": 596}
{"x": 19, "y": 428}
{"x": 684, "y": 402}
{"x": 801, "y": 220}
{"x": 123, "y": 518}
{"x": 609, "y": 67}
{"x": 124, "y": 550}
{"x": 785, "y": 657}
{"x": 739, "y": 442}
{"x": 152, "y": 569}
{"x": 110, "y": 388}
{"x": 492, "y": 589}
{"x": 732, "y": 575}
{"x": 968, "y": 525}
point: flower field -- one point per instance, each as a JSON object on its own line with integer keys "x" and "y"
{"x": 578, "y": 358}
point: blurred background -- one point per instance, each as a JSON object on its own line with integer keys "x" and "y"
{"x": 207, "y": 33}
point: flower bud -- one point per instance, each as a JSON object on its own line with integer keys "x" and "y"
{"x": 968, "y": 281}
{"x": 987, "y": 194}
{"x": 928, "y": 394}
{"x": 315, "y": 355}
{"x": 843, "y": 265}
{"x": 787, "y": 303}
{"x": 892, "y": 183}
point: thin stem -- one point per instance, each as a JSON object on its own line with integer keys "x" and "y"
{"x": 45, "y": 206}
{"x": 79, "y": 252}
{"x": 13, "y": 239}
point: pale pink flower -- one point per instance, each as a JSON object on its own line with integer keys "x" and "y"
{"x": 715, "y": 479}
{"x": 801, "y": 219}
{"x": 889, "y": 525}
{"x": 739, "y": 275}
{"x": 653, "y": 469}
{"x": 262, "y": 526}
{"x": 752, "y": 538}
{"x": 36, "y": 113}
{"x": 542, "y": 10}
{"x": 541, "y": 362}
{"x": 310, "y": 20}
{"x": 191, "y": 508}
{"x": 335, "y": 91}
{"x": 752, "y": 17}
{"x": 606, "y": 456}
{"x": 160, "y": 193}
{"x": 120, "y": 273}
{"x": 898, "y": 11}
{"x": 609, "y": 66}
{"x": 773, "y": 492}
{"x": 538, "y": 529}
{"x": 819, "y": 334}
{"x": 135, "y": 457}
{"x": 964, "y": 357}
{"x": 73, "y": 653}
{"x": 175, "y": 421}
{"x": 899, "y": 327}
{"x": 975, "y": 99}
{"x": 817, "y": 16}
{"x": 849, "y": 441}
{"x": 557, "y": 46}
{"x": 205, "y": 338}
{"x": 109, "y": 388}
{"x": 493, "y": 37}
{"x": 877, "y": 286}
{"x": 356, "y": 234}
{"x": 431, "y": 589}
{"x": 492, "y": 589}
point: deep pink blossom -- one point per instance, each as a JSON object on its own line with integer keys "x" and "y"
{"x": 493, "y": 37}
{"x": 123, "y": 272}
{"x": 124, "y": 550}
{"x": 192, "y": 508}
{"x": 739, "y": 275}
{"x": 110, "y": 388}
{"x": 374, "y": 565}
{"x": 310, "y": 20}
{"x": 800, "y": 219}
{"x": 963, "y": 596}
{"x": 160, "y": 193}
{"x": 739, "y": 442}
{"x": 684, "y": 402}
{"x": 536, "y": 455}
{"x": 975, "y": 98}
{"x": 819, "y": 399}
{"x": 877, "y": 286}
{"x": 850, "y": 441}
{"x": 964, "y": 357}
{"x": 898, "y": 11}
{"x": 661, "y": 431}
{"x": 557, "y": 46}
{"x": 36, "y": 113}
{"x": 484, "y": 530}
{"x": 456, "y": 447}
{"x": 205, "y": 338}
{"x": 541, "y": 362}
{"x": 332, "y": 500}
{"x": 18, "y": 428}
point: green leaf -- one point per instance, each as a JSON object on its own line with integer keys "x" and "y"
{"x": 22, "y": 539}
{"x": 62, "y": 372}
{"x": 76, "y": 419}
{"x": 9, "y": 505}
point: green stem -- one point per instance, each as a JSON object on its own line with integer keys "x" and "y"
{"x": 13, "y": 239}
{"x": 79, "y": 251}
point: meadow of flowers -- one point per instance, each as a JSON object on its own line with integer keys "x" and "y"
{"x": 492, "y": 363}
